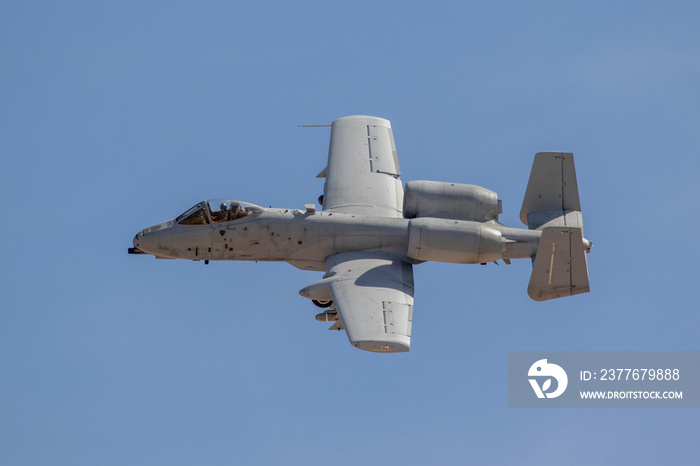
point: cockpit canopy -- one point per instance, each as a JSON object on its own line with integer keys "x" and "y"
{"x": 217, "y": 211}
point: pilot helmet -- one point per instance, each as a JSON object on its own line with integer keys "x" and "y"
{"x": 223, "y": 206}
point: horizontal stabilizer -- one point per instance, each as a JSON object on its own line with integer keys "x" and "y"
{"x": 560, "y": 268}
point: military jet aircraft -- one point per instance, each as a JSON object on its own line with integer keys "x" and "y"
{"x": 372, "y": 231}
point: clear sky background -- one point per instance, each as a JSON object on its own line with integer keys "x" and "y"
{"x": 115, "y": 116}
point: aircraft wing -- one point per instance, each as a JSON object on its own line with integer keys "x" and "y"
{"x": 373, "y": 294}
{"x": 362, "y": 175}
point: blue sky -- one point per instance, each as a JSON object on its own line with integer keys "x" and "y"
{"x": 116, "y": 116}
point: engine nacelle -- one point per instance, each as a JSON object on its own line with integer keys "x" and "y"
{"x": 455, "y": 241}
{"x": 450, "y": 200}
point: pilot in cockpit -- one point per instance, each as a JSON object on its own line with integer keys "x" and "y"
{"x": 236, "y": 211}
{"x": 222, "y": 215}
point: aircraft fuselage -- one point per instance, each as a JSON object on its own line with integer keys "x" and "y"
{"x": 306, "y": 238}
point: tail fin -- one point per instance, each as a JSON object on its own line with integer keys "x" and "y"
{"x": 551, "y": 198}
{"x": 552, "y": 205}
{"x": 559, "y": 268}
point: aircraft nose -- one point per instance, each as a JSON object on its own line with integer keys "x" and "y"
{"x": 135, "y": 242}
{"x": 146, "y": 242}
{"x": 137, "y": 239}
{"x": 152, "y": 240}
{"x": 143, "y": 244}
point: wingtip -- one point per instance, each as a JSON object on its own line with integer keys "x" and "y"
{"x": 375, "y": 346}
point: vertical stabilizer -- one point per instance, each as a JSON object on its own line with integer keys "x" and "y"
{"x": 552, "y": 205}
{"x": 551, "y": 198}
{"x": 560, "y": 268}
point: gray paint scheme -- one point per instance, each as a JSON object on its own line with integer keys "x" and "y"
{"x": 551, "y": 190}
{"x": 367, "y": 239}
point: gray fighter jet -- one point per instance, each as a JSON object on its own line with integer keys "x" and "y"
{"x": 372, "y": 231}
